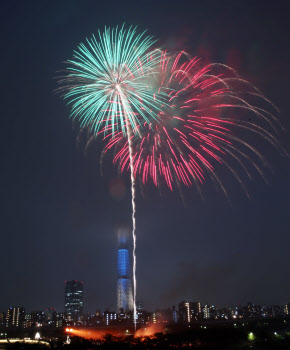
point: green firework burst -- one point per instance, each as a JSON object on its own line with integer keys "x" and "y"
{"x": 111, "y": 80}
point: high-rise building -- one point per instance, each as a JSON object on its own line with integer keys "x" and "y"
{"x": 27, "y": 321}
{"x": 15, "y": 316}
{"x": 189, "y": 311}
{"x": 196, "y": 310}
{"x": 185, "y": 312}
{"x": 73, "y": 299}
{"x": 109, "y": 317}
{"x": 206, "y": 311}
{"x": 212, "y": 312}
{"x": 124, "y": 286}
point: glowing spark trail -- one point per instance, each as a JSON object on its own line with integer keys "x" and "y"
{"x": 133, "y": 185}
{"x": 127, "y": 112}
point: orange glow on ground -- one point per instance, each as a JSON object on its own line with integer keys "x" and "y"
{"x": 149, "y": 330}
{"x": 94, "y": 334}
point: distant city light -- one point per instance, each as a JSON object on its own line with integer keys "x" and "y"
{"x": 251, "y": 336}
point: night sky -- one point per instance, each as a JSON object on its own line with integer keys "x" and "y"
{"x": 58, "y": 214}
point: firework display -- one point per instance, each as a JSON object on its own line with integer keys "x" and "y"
{"x": 169, "y": 118}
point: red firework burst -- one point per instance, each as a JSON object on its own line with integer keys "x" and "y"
{"x": 211, "y": 117}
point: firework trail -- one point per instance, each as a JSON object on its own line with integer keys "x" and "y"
{"x": 133, "y": 192}
{"x": 130, "y": 135}
{"x": 210, "y": 117}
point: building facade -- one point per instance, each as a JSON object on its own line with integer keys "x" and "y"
{"x": 73, "y": 299}
{"x": 15, "y": 316}
{"x": 189, "y": 311}
{"x": 109, "y": 317}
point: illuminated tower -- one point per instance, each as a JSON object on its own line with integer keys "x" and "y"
{"x": 124, "y": 286}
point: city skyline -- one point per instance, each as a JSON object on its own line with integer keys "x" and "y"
{"x": 185, "y": 312}
{"x": 74, "y": 301}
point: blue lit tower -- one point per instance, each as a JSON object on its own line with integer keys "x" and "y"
{"x": 124, "y": 286}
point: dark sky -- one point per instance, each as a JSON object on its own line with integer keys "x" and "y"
{"x": 57, "y": 213}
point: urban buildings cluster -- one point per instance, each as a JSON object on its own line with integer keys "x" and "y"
{"x": 187, "y": 312}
